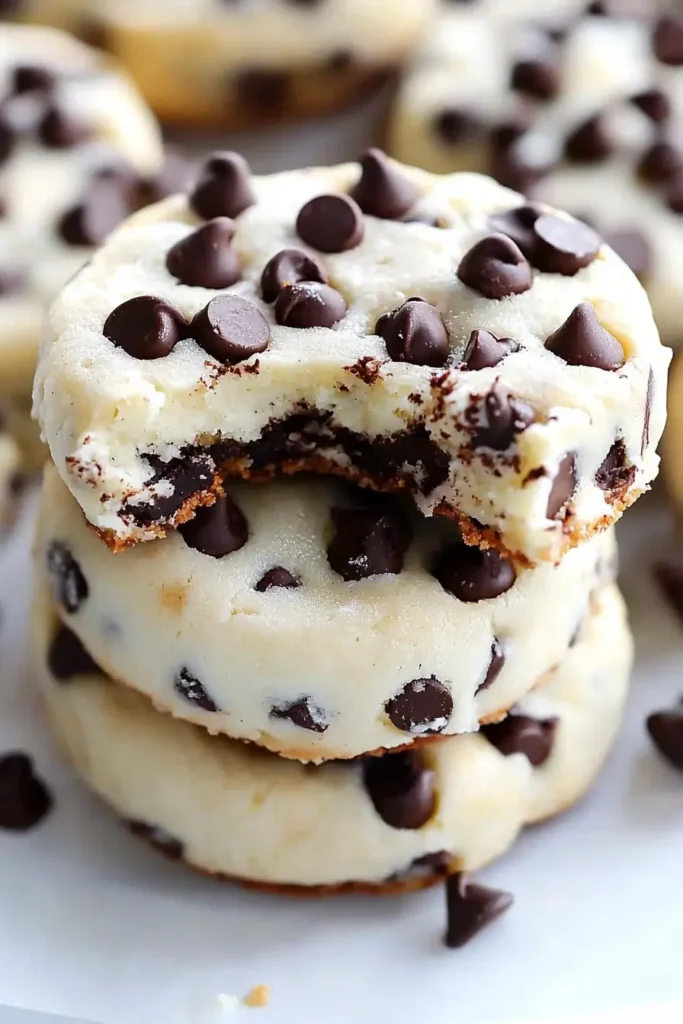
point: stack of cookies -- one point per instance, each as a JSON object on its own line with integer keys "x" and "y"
{"x": 325, "y": 563}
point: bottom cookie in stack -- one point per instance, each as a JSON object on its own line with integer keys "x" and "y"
{"x": 393, "y": 823}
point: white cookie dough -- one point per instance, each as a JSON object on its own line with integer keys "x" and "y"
{"x": 46, "y": 172}
{"x": 193, "y": 633}
{"x": 458, "y": 94}
{"x": 232, "y": 810}
{"x": 532, "y": 454}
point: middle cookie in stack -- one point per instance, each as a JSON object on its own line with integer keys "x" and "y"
{"x": 273, "y": 324}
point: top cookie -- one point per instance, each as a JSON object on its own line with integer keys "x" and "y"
{"x": 267, "y": 324}
{"x": 585, "y": 115}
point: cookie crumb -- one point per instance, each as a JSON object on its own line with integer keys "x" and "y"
{"x": 258, "y": 996}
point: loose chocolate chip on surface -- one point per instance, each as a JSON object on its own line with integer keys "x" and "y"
{"x": 145, "y": 327}
{"x": 666, "y": 731}
{"x": 303, "y": 713}
{"x": 471, "y": 574}
{"x": 94, "y": 217}
{"x": 276, "y": 578}
{"x": 563, "y": 246}
{"x": 661, "y": 162}
{"x": 382, "y": 190}
{"x": 188, "y": 686}
{"x": 309, "y": 304}
{"x": 368, "y": 542}
{"x": 68, "y": 658}
{"x": 667, "y": 40}
{"x": 484, "y": 350}
{"x": 539, "y": 78}
{"x": 331, "y": 223}
{"x": 495, "y": 665}
{"x": 634, "y": 249}
{"x": 519, "y": 734}
{"x": 503, "y": 417}
{"x": 581, "y": 341}
{"x": 496, "y": 268}
{"x": 216, "y": 530}
{"x": 69, "y": 585}
{"x": 59, "y": 129}
{"x": 589, "y": 143}
{"x": 223, "y": 187}
{"x": 616, "y": 472}
{"x": 454, "y": 126}
{"x": 654, "y": 103}
{"x": 563, "y": 486}
{"x": 470, "y": 908}
{"x": 402, "y": 788}
{"x": 518, "y": 224}
{"x": 669, "y": 575}
{"x": 205, "y": 258}
{"x": 415, "y": 333}
{"x": 290, "y": 266}
{"x": 230, "y": 329}
{"x": 24, "y": 798}
{"x": 423, "y": 706}
{"x": 162, "y": 841}
{"x": 32, "y": 78}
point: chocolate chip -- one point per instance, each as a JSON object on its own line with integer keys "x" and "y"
{"x": 589, "y": 143}
{"x": 290, "y": 266}
{"x": 415, "y": 333}
{"x": 265, "y": 92}
{"x": 581, "y": 341}
{"x": 519, "y": 734}
{"x": 539, "y": 78}
{"x": 331, "y": 223}
{"x": 660, "y": 163}
{"x": 91, "y": 220}
{"x": 205, "y": 258}
{"x": 32, "y": 78}
{"x": 563, "y": 246}
{"x": 484, "y": 350}
{"x": 69, "y": 585}
{"x": 673, "y": 195}
{"x": 563, "y": 486}
{"x": 471, "y": 907}
{"x": 382, "y": 190}
{"x": 277, "y": 577}
{"x": 423, "y": 706}
{"x": 502, "y": 418}
{"x": 654, "y": 103}
{"x": 402, "y": 789}
{"x": 24, "y": 798}
{"x": 59, "y": 129}
{"x": 666, "y": 731}
{"x": 68, "y": 658}
{"x": 506, "y": 133}
{"x": 145, "y": 327}
{"x": 472, "y": 574}
{"x": 174, "y": 176}
{"x": 669, "y": 576}
{"x": 302, "y": 713}
{"x": 216, "y": 530}
{"x": 188, "y": 686}
{"x": 518, "y": 224}
{"x": 509, "y": 167}
{"x": 454, "y": 126}
{"x": 230, "y": 329}
{"x": 495, "y": 665}
{"x": 368, "y": 542}
{"x": 223, "y": 187}
{"x": 309, "y": 304}
{"x": 8, "y": 137}
{"x": 162, "y": 841}
{"x": 495, "y": 268}
{"x": 667, "y": 40}
{"x": 183, "y": 476}
{"x": 634, "y": 249}
{"x": 616, "y": 472}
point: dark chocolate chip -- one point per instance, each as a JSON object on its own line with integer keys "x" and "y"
{"x": 673, "y": 195}
{"x": 223, "y": 187}
{"x": 368, "y": 542}
{"x": 660, "y": 163}
{"x": 454, "y": 126}
{"x": 59, "y": 129}
{"x": 402, "y": 788}
{"x": 145, "y": 327}
{"x": 69, "y": 585}
{"x": 205, "y": 258}
{"x": 616, "y": 472}
{"x": 32, "y": 78}
{"x": 518, "y": 224}
{"x": 7, "y": 137}
{"x": 563, "y": 246}
{"x": 277, "y": 577}
{"x": 589, "y": 143}
{"x": 303, "y": 713}
{"x": 669, "y": 575}
{"x": 509, "y": 168}
{"x": 415, "y": 333}
{"x": 581, "y": 341}
{"x": 495, "y": 267}
{"x": 382, "y": 190}
{"x": 91, "y": 220}
{"x": 188, "y": 686}
{"x": 331, "y": 223}
{"x": 504, "y": 134}
{"x": 485, "y": 350}
{"x": 162, "y": 841}
{"x": 230, "y": 329}
{"x": 472, "y": 574}
{"x": 634, "y": 249}
{"x": 184, "y": 475}
{"x": 471, "y": 908}
{"x": 24, "y": 798}
{"x": 265, "y": 92}
{"x": 175, "y": 176}
{"x": 68, "y": 658}
{"x": 423, "y": 706}
{"x": 309, "y": 304}
{"x": 563, "y": 486}
{"x": 519, "y": 734}
{"x": 539, "y": 78}
{"x": 501, "y": 418}
{"x": 666, "y": 731}
{"x": 654, "y": 103}
{"x": 667, "y": 40}
{"x": 290, "y": 266}
{"x": 216, "y": 530}
{"x": 495, "y": 665}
